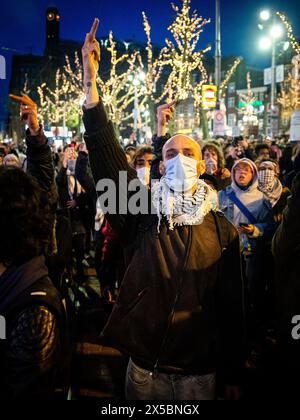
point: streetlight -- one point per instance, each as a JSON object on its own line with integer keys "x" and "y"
{"x": 276, "y": 32}
{"x": 265, "y": 43}
{"x": 265, "y": 15}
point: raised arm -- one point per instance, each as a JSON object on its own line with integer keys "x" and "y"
{"x": 107, "y": 158}
{"x": 39, "y": 156}
{"x": 83, "y": 173}
{"x": 164, "y": 116}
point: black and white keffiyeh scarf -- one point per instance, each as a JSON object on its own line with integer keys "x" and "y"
{"x": 269, "y": 184}
{"x": 183, "y": 209}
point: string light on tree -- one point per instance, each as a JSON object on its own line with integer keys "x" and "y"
{"x": 151, "y": 77}
{"x": 182, "y": 58}
{"x": 74, "y": 75}
{"x": 61, "y": 105}
{"x": 290, "y": 33}
{"x": 117, "y": 92}
{"x": 229, "y": 75}
{"x": 290, "y": 96}
{"x": 248, "y": 100}
{"x": 53, "y": 102}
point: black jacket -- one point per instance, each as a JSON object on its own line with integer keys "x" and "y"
{"x": 85, "y": 177}
{"x": 40, "y": 165}
{"x": 63, "y": 189}
{"x": 82, "y": 215}
{"x": 30, "y": 357}
{"x": 286, "y": 251}
{"x": 181, "y": 300}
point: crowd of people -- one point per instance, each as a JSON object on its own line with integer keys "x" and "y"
{"x": 193, "y": 291}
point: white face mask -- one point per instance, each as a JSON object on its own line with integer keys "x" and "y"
{"x": 211, "y": 166}
{"x": 181, "y": 173}
{"x": 144, "y": 175}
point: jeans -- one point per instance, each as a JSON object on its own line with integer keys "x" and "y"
{"x": 143, "y": 385}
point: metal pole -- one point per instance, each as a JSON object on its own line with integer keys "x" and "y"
{"x": 274, "y": 116}
{"x": 273, "y": 87}
{"x": 218, "y": 48}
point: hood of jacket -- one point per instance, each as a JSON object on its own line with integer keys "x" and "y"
{"x": 251, "y": 197}
{"x": 254, "y": 183}
{"x": 16, "y": 280}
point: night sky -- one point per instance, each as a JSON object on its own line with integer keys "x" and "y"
{"x": 22, "y": 26}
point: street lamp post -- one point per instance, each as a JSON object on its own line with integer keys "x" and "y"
{"x": 275, "y": 34}
{"x": 273, "y": 86}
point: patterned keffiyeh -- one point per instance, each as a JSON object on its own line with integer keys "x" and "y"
{"x": 270, "y": 185}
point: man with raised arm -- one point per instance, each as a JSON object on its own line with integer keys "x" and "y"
{"x": 179, "y": 313}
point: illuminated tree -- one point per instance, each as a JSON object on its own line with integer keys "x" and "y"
{"x": 181, "y": 58}
{"x": 61, "y": 105}
{"x": 152, "y": 76}
{"x": 289, "y": 99}
{"x": 247, "y": 108}
{"x": 120, "y": 89}
{"x": 248, "y": 100}
{"x": 229, "y": 76}
{"x": 290, "y": 33}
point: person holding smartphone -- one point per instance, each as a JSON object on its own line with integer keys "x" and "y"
{"x": 251, "y": 212}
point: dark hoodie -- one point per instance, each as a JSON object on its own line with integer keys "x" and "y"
{"x": 286, "y": 247}
{"x": 256, "y": 203}
{"x": 29, "y": 357}
{"x": 288, "y": 181}
{"x": 15, "y": 280}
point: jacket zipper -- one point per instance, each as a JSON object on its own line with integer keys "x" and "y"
{"x": 171, "y": 316}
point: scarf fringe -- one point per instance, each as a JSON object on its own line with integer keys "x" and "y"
{"x": 183, "y": 210}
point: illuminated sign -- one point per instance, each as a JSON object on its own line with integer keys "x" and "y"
{"x": 255, "y": 103}
{"x": 209, "y": 96}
